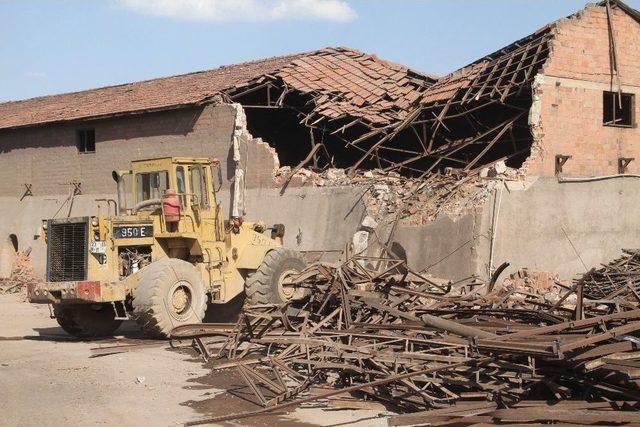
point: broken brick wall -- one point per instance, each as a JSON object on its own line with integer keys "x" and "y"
{"x": 567, "y": 116}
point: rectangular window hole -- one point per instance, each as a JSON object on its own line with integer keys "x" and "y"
{"x": 86, "y": 140}
{"x": 618, "y": 109}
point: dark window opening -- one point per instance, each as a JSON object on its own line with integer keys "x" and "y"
{"x": 86, "y": 141}
{"x": 282, "y": 128}
{"x": 618, "y": 109}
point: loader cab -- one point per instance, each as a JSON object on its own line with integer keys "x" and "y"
{"x": 195, "y": 181}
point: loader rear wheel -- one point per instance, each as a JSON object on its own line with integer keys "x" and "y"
{"x": 170, "y": 293}
{"x": 268, "y": 284}
{"x": 87, "y": 320}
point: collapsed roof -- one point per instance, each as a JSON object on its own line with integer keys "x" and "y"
{"x": 340, "y": 83}
{"x": 344, "y": 83}
{"x": 474, "y": 116}
{"x": 459, "y": 119}
{"x": 466, "y": 113}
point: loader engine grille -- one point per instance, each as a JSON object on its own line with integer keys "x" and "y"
{"x": 67, "y": 241}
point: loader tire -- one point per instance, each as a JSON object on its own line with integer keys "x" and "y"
{"x": 170, "y": 293}
{"x": 87, "y": 320}
{"x": 265, "y": 285}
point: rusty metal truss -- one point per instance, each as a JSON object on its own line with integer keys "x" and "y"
{"x": 468, "y": 119}
{"x": 419, "y": 343}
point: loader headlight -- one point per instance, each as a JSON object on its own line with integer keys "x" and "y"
{"x": 44, "y": 225}
{"x": 94, "y": 221}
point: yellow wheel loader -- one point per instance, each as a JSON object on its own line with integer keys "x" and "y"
{"x": 163, "y": 260}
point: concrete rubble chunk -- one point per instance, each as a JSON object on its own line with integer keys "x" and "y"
{"x": 335, "y": 174}
{"x": 500, "y": 167}
{"x": 360, "y": 241}
{"x": 368, "y": 223}
{"x": 380, "y": 189}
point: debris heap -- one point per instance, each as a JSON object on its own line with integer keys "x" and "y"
{"x": 436, "y": 350}
{"x": 21, "y": 274}
{"x": 389, "y": 196}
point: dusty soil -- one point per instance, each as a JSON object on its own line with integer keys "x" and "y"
{"x": 49, "y": 378}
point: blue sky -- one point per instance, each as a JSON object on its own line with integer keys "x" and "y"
{"x": 49, "y": 47}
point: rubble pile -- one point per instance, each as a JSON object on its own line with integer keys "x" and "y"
{"x": 437, "y": 350}
{"x": 418, "y": 202}
{"x": 21, "y": 274}
{"x": 541, "y": 284}
{"x": 390, "y": 196}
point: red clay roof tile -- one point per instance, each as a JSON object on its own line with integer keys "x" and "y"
{"x": 350, "y": 76}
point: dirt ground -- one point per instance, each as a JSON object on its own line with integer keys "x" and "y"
{"x": 48, "y": 378}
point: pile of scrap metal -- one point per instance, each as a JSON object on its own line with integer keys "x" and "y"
{"x": 619, "y": 278}
{"x": 437, "y": 351}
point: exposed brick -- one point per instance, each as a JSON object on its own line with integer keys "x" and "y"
{"x": 571, "y": 117}
{"x": 47, "y": 158}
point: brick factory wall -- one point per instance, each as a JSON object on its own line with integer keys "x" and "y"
{"x": 569, "y": 115}
{"x": 47, "y": 158}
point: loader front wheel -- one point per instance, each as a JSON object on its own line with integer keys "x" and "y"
{"x": 268, "y": 284}
{"x": 170, "y": 293}
{"x": 87, "y": 320}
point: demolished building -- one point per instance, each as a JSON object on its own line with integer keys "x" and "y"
{"x": 559, "y": 107}
{"x": 58, "y": 151}
{"x": 504, "y": 159}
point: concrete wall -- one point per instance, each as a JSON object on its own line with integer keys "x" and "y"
{"x": 568, "y": 118}
{"x": 600, "y": 218}
{"x": 443, "y": 248}
{"x": 316, "y": 219}
{"x": 535, "y": 225}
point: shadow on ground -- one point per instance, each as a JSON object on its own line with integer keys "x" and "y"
{"x": 128, "y": 330}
